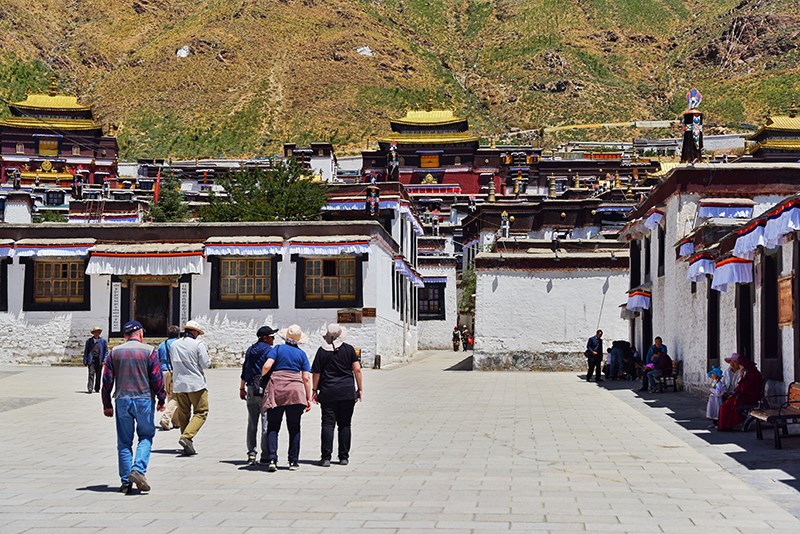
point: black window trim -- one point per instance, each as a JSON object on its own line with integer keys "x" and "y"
{"x": 28, "y": 303}
{"x": 300, "y": 301}
{"x": 442, "y": 315}
{"x": 215, "y": 301}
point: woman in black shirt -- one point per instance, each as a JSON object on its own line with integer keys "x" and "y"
{"x": 336, "y": 374}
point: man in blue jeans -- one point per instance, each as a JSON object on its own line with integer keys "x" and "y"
{"x": 134, "y": 371}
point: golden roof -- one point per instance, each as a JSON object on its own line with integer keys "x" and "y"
{"x": 783, "y": 123}
{"x": 666, "y": 166}
{"x": 775, "y": 144}
{"x": 432, "y": 138}
{"x": 55, "y": 124}
{"x": 436, "y": 117}
{"x": 57, "y": 102}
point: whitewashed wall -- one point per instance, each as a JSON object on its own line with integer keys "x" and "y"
{"x": 438, "y": 335}
{"x": 542, "y": 320}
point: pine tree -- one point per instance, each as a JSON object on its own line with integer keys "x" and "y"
{"x": 283, "y": 193}
{"x": 171, "y": 206}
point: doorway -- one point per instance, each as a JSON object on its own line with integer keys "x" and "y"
{"x": 152, "y": 307}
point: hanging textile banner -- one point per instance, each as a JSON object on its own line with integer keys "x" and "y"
{"x": 406, "y": 211}
{"x": 654, "y": 219}
{"x": 780, "y": 224}
{"x": 403, "y": 267}
{"x": 686, "y": 248}
{"x": 749, "y": 239}
{"x": 6, "y": 248}
{"x": 350, "y": 205}
{"x": 732, "y": 271}
{"x": 332, "y": 247}
{"x": 633, "y": 230}
{"x": 708, "y": 211}
{"x": 435, "y": 279}
{"x": 639, "y": 300}
{"x": 53, "y": 247}
{"x": 699, "y": 267}
{"x": 151, "y": 259}
{"x": 244, "y": 246}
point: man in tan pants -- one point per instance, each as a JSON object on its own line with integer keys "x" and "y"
{"x": 169, "y": 419}
{"x": 189, "y": 360}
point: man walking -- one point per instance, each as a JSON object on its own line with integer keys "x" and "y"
{"x": 132, "y": 369}
{"x": 594, "y": 356}
{"x": 95, "y": 351}
{"x": 189, "y": 360}
{"x": 169, "y": 419}
{"x": 250, "y": 390}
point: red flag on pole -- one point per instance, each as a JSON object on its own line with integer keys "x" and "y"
{"x": 157, "y": 187}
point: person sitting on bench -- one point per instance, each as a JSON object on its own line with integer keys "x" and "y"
{"x": 747, "y": 393}
{"x": 662, "y": 366}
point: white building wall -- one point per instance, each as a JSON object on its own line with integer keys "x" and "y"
{"x": 543, "y": 319}
{"x": 438, "y": 335}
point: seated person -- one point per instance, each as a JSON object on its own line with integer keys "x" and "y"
{"x": 616, "y": 356}
{"x": 746, "y": 395}
{"x": 662, "y": 365}
{"x": 631, "y": 365}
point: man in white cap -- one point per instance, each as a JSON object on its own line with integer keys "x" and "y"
{"x": 189, "y": 359}
{"x": 95, "y": 351}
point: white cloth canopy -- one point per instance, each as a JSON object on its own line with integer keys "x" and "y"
{"x": 654, "y": 219}
{"x": 402, "y": 266}
{"x": 780, "y": 225}
{"x": 699, "y": 268}
{"x": 244, "y": 246}
{"x": 732, "y": 271}
{"x": 6, "y": 248}
{"x": 686, "y": 249}
{"x": 53, "y": 247}
{"x": 639, "y": 300}
{"x": 329, "y": 246}
{"x": 152, "y": 259}
{"x": 748, "y": 242}
{"x": 725, "y": 212}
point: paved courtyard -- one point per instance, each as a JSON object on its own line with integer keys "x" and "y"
{"x": 434, "y": 449}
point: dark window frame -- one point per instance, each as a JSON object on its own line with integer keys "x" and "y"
{"x": 301, "y": 302}
{"x": 712, "y": 328}
{"x": 215, "y": 299}
{"x": 4, "y": 263}
{"x": 662, "y": 252}
{"x": 771, "y": 338}
{"x": 441, "y": 315}
{"x": 636, "y": 263}
{"x": 28, "y": 302}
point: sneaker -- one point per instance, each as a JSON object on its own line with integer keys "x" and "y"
{"x": 165, "y": 425}
{"x": 272, "y": 467}
{"x": 343, "y": 461}
{"x": 139, "y": 479}
{"x": 188, "y": 446}
{"x": 125, "y": 488}
{"x": 324, "y": 463}
{"x": 294, "y": 466}
{"x": 251, "y": 459}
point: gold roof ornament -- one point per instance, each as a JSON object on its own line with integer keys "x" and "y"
{"x": 793, "y": 109}
{"x": 53, "y": 85}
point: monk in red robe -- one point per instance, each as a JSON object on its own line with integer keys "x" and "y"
{"x": 747, "y": 393}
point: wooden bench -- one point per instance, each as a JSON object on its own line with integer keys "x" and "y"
{"x": 670, "y": 380}
{"x": 779, "y": 418}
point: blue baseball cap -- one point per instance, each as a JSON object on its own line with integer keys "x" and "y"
{"x": 131, "y": 327}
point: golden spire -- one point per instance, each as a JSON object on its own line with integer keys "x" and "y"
{"x": 491, "y": 190}
{"x": 53, "y": 85}
{"x": 793, "y": 108}
{"x": 551, "y": 187}
{"x": 430, "y": 104}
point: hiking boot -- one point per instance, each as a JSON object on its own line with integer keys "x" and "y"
{"x": 343, "y": 461}
{"x": 272, "y": 467}
{"x": 125, "y": 488}
{"x": 139, "y": 479}
{"x": 294, "y": 466}
{"x": 324, "y": 463}
{"x": 188, "y": 446}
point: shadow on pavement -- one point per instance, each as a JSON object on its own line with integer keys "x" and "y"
{"x": 242, "y": 465}
{"x": 100, "y": 488}
{"x": 689, "y": 411}
{"x": 463, "y": 365}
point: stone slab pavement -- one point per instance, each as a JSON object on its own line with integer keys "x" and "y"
{"x": 433, "y": 450}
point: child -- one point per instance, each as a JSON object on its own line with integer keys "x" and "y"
{"x": 715, "y": 395}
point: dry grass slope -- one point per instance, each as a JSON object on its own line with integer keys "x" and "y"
{"x": 264, "y": 71}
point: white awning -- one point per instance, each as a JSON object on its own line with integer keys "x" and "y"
{"x": 244, "y": 246}
{"x": 639, "y": 300}
{"x": 700, "y": 266}
{"x": 147, "y": 259}
{"x": 53, "y": 247}
{"x": 6, "y": 248}
{"x": 329, "y": 246}
{"x": 732, "y": 271}
{"x": 405, "y": 269}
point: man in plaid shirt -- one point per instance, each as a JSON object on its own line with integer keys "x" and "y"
{"x": 134, "y": 371}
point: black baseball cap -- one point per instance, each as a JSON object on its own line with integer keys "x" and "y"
{"x": 131, "y": 327}
{"x": 265, "y": 331}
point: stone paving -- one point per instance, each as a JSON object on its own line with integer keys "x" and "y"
{"x": 433, "y": 450}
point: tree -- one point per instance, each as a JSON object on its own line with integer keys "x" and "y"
{"x": 468, "y": 285}
{"x": 49, "y": 216}
{"x": 171, "y": 206}
{"x": 283, "y": 193}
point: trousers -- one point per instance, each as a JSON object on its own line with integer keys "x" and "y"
{"x": 95, "y": 374}
{"x": 336, "y": 413}
{"x": 254, "y": 415}
{"x": 169, "y": 419}
{"x": 595, "y": 366}
{"x": 134, "y": 414}
{"x": 195, "y": 404}
{"x": 274, "y": 419}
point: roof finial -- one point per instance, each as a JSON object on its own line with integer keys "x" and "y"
{"x": 793, "y": 108}
{"x": 430, "y": 104}
{"x": 53, "y": 85}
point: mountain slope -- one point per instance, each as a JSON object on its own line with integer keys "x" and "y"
{"x": 260, "y": 72}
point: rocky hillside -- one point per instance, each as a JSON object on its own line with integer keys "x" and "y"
{"x": 238, "y": 77}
